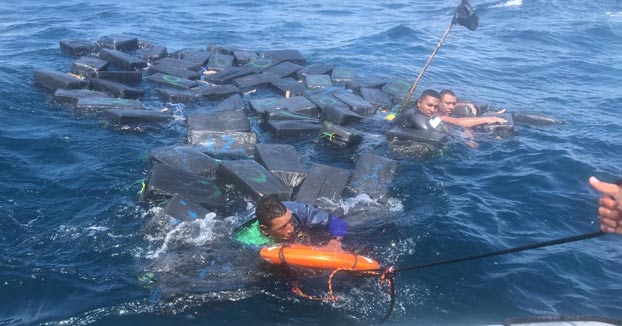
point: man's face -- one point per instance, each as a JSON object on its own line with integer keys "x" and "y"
{"x": 282, "y": 228}
{"x": 447, "y": 104}
{"x": 427, "y": 105}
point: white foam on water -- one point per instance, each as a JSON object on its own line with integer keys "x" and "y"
{"x": 192, "y": 233}
{"x": 510, "y": 3}
{"x": 361, "y": 202}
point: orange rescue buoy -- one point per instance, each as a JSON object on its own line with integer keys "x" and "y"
{"x": 314, "y": 257}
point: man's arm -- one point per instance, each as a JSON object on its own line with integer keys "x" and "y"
{"x": 472, "y": 122}
{"x": 312, "y": 216}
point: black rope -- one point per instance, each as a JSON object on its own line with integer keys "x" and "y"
{"x": 387, "y": 315}
{"x": 389, "y": 275}
{"x": 505, "y": 251}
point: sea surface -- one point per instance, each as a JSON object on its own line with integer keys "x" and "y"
{"x": 79, "y": 247}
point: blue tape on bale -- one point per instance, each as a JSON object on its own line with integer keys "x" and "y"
{"x": 252, "y": 179}
{"x": 183, "y": 209}
{"x": 224, "y": 144}
{"x": 373, "y": 175}
{"x": 186, "y": 158}
{"x": 165, "y": 181}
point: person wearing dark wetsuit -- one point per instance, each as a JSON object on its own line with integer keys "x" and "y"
{"x": 277, "y": 221}
{"x": 446, "y": 106}
{"x": 424, "y": 117}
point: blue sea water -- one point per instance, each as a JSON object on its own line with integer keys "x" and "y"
{"x": 75, "y": 238}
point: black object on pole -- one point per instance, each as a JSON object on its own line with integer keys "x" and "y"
{"x": 464, "y": 16}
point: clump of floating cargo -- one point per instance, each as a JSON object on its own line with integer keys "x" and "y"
{"x": 320, "y": 101}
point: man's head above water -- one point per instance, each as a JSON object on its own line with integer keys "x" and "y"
{"x": 428, "y": 102}
{"x": 448, "y": 102}
{"x": 275, "y": 220}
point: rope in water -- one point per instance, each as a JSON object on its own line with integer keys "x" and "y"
{"x": 386, "y": 276}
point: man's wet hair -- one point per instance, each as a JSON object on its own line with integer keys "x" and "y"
{"x": 269, "y": 208}
{"x": 430, "y": 92}
{"x": 447, "y": 92}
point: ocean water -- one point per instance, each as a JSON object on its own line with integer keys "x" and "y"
{"x": 77, "y": 246}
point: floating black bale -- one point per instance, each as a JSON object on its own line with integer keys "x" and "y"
{"x": 125, "y": 116}
{"x": 259, "y": 65}
{"x": 188, "y": 159}
{"x": 118, "y": 42}
{"x": 284, "y": 114}
{"x": 172, "y": 81}
{"x": 175, "y": 67}
{"x": 426, "y": 136}
{"x": 356, "y": 103}
{"x": 342, "y": 75}
{"x": 314, "y": 69}
{"x": 339, "y": 115}
{"x": 288, "y": 86}
{"x": 199, "y": 57}
{"x": 107, "y": 103}
{"x": 294, "y": 128}
{"x": 359, "y": 83}
{"x": 253, "y": 179}
{"x": 115, "y": 89}
{"x": 264, "y": 105}
{"x": 125, "y": 77}
{"x": 122, "y": 59}
{"x": 53, "y": 80}
{"x": 151, "y": 52}
{"x": 224, "y": 144}
{"x": 176, "y": 95}
{"x": 283, "y": 161}
{"x": 338, "y": 136}
{"x": 397, "y": 89}
{"x": 165, "y": 181}
{"x": 324, "y": 99}
{"x": 255, "y": 80}
{"x": 322, "y": 181}
{"x": 243, "y": 57}
{"x": 301, "y": 105}
{"x": 183, "y": 209}
{"x": 534, "y": 119}
{"x": 219, "y": 121}
{"x": 220, "y": 61}
{"x": 178, "y": 63}
{"x": 216, "y": 91}
{"x": 286, "y": 55}
{"x": 216, "y": 48}
{"x": 77, "y": 47}
{"x": 284, "y": 69}
{"x": 231, "y": 103}
{"x": 226, "y": 75}
{"x": 499, "y": 130}
{"x": 86, "y": 64}
{"x": 373, "y": 175}
{"x": 71, "y": 96}
{"x": 376, "y": 97}
{"x": 317, "y": 81}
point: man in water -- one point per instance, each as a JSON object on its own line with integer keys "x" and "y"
{"x": 610, "y": 210}
{"x": 446, "y": 106}
{"x": 424, "y": 117}
{"x": 277, "y": 221}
